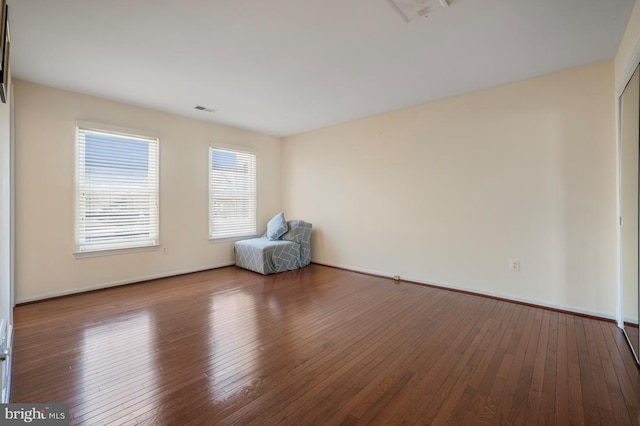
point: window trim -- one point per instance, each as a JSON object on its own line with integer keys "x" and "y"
{"x": 115, "y": 251}
{"x": 121, "y": 131}
{"x": 243, "y": 150}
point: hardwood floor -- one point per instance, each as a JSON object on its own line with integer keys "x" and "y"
{"x": 317, "y": 346}
{"x": 632, "y": 334}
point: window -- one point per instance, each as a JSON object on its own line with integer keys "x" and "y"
{"x": 232, "y": 193}
{"x": 116, "y": 189}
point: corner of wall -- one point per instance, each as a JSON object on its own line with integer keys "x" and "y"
{"x": 628, "y": 54}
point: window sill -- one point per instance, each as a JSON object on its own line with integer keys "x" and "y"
{"x": 112, "y": 252}
{"x": 231, "y": 239}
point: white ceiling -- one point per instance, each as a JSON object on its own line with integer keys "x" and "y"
{"x": 288, "y": 66}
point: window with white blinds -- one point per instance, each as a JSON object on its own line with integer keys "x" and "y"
{"x": 116, "y": 189}
{"x": 232, "y": 193}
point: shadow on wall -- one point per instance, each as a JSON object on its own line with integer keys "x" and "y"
{"x": 318, "y": 243}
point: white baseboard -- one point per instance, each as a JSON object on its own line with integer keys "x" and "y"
{"x": 471, "y": 290}
{"x": 320, "y": 262}
{"x": 123, "y": 282}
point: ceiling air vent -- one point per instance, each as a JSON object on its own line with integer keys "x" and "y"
{"x": 413, "y": 9}
{"x": 205, "y": 109}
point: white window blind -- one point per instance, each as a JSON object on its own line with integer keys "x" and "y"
{"x": 116, "y": 190}
{"x": 232, "y": 193}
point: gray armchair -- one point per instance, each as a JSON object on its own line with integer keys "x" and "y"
{"x": 289, "y": 252}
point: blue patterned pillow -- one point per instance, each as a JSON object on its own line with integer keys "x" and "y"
{"x": 277, "y": 227}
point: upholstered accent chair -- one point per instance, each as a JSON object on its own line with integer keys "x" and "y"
{"x": 290, "y": 251}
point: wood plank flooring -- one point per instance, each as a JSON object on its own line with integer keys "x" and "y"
{"x": 317, "y": 346}
{"x": 632, "y": 334}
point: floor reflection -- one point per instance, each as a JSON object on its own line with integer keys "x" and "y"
{"x": 233, "y": 343}
{"x": 130, "y": 341}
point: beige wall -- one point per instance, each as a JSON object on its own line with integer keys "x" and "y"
{"x": 448, "y": 192}
{"x": 45, "y": 120}
{"x": 445, "y": 193}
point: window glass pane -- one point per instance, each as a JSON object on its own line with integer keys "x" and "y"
{"x": 232, "y": 189}
{"x": 116, "y": 191}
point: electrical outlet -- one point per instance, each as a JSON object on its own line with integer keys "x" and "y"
{"x": 514, "y": 265}
{"x": 396, "y": 277}
{"x": 165, "y": 250}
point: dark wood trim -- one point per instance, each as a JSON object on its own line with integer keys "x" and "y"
{"x": 473, "y": 293}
